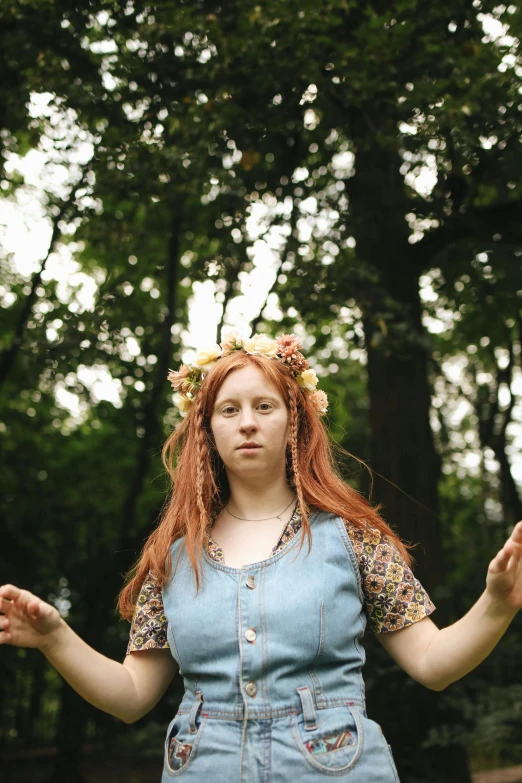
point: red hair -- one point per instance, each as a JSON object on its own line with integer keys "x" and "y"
{"x": 200, "y": 486}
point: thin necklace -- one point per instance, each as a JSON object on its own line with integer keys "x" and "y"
{"x": 277, "y": 516}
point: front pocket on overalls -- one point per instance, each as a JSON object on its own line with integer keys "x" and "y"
{"x": 331, "y": 741}
{"x": 183, "y": 737}
{"x": 177, "y": 754}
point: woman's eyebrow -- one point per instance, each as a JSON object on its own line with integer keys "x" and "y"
{"x": 235, "y": 397}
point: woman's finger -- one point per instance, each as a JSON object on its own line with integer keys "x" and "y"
{"x": 513, "y": 547}
{"x": 5, "y": 605}
{"x": 502, "y": 556}
{"x": 515, "y": 539}
{"x": 33, "y": 606}
{"x": 10, "y": 592}
{"x": 517, "y": 532}
{"x": 500, "y": 561}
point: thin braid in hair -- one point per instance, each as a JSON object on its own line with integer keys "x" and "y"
{"x": 202, "y": 459}
{"x": 294, "y": 422}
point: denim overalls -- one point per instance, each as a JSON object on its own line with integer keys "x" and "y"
{"x": 271, "y": 658}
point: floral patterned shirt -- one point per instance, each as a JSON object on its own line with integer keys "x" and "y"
{"x": 393, "y": 597}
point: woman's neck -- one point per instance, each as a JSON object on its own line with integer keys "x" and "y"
{"x": 256, "y": 502}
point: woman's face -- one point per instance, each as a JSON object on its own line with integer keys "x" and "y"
{"x": 250, "y": 409}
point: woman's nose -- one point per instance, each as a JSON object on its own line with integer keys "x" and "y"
{"x": 247, "y": 421}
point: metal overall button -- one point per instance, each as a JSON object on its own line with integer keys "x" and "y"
{"x": 250, "y": 635}
{"x": 251, "y": 582}
{"x": 251, "y": 688}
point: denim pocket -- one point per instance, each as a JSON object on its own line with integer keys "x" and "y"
{"x": 181, "y": 744}
{"x": 335, "y": 744}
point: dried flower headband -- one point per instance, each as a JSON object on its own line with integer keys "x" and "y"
{"x": 285, "y": 348}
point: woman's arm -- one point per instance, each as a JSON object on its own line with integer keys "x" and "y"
{"x": 127, "y": 690}
{"x": 437, "y": 657}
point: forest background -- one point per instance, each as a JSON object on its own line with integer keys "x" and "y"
{"x": 346, "y": 170}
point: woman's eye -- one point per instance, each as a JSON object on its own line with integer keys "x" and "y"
{"x": 264, "y": 405}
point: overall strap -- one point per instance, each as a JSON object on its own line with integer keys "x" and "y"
{"x": 198, "y": 701}
{"x": 308, "y": 707}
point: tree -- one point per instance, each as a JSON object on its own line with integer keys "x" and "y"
{"x": 324, "y": 118}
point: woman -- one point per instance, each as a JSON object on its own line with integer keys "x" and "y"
{"x": 266, "y": 632}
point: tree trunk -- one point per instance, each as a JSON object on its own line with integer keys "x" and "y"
{"x": 402, "y": 446}
{"x": 403, "y": 452}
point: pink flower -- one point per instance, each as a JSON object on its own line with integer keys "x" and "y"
{"x": 288, "y": 344}
{"x": 177, "y": 378}
{"x": 289, "y": 353}
{"x": 188, "y": 387}
{"x": 320, "y": 401}
{"x": 187, "y": 380}
{"x": 298, "y": 363}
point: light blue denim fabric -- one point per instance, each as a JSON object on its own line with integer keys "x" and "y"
{"x": 253, "y": 703}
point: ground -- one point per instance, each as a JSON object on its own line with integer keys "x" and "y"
{"x": 103, "y": 767}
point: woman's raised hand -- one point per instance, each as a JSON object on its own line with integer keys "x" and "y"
{"x": 504, "y": 579}
{"x": 126, "y": 691}
{"x": 26, "y": 620}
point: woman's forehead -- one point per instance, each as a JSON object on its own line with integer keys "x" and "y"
{"x": 247, "y": 382}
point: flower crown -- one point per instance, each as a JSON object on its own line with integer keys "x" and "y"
{"x": 285, "y": 349}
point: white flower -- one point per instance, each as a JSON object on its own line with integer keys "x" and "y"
{"x": 308, "y": 379}
{"x": 206, "y": 357}
{"x": 231, "y": 342}
{"x": 183, "y": 403}
{"x": 263, "y": 345}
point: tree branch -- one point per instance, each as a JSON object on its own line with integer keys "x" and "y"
{"x": 474, "y": 224}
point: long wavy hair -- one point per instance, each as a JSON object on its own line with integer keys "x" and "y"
{"x": 200, "y": 486}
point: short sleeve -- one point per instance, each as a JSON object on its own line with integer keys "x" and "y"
{"x": 149, "y": 624}
{"x": 393, "y": 597}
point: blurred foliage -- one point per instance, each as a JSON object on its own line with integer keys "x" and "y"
{"x": 374, "y": 151}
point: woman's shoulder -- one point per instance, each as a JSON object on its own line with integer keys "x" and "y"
{"x": 363, "y": 533}
{"x": 360, "y": 530}
{"x": 366, "y": 539}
